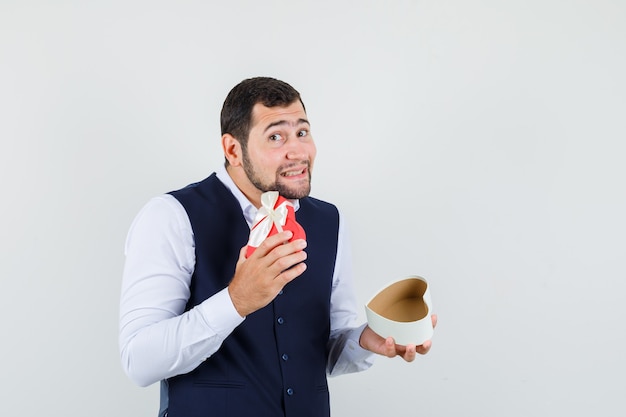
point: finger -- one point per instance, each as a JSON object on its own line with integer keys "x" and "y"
{"x": 409, "y": 353}
{"x": 272, "y": 242}
{"x": 424, "y": 347}
{"x": 434, "y": 320}
{"x": 286, "y": 249}
{"x": 288, "y": 275}
{"x": 242, "y": 255}
{"x": 390, "y": 348}
{"x": 281, "y": 262}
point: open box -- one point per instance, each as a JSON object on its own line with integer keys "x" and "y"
{"x": 402, "y": 310}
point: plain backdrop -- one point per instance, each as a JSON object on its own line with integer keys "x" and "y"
{"x": 479, "y": 144}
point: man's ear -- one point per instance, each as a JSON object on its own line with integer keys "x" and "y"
{"x": 232, "y": 149}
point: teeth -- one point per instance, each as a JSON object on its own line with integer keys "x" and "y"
{"x": 292, "y": 173}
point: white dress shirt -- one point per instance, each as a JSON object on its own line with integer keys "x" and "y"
{"x": 159, "y": 339}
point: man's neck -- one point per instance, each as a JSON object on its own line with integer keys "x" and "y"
{"x": 239, "y": 177}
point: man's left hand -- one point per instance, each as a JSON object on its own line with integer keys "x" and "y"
{"x": 387, "y": 347}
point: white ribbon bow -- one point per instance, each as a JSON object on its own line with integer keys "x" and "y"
{"x": 268, "y": 216}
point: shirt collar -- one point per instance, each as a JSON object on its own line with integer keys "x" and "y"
{"x": 248, "y": 209}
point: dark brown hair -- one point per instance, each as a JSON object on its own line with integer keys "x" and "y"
{"x": 236, "y": 116}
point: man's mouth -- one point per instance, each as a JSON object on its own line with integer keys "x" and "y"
{"x": 294, "y": 172}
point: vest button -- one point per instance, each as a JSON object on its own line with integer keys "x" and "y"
{"x": 285, "y": 356}
{"x": 289, "y": 391}
{"x": 280, "y": 320}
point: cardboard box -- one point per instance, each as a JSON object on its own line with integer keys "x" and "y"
{"x": 402, "y": 310}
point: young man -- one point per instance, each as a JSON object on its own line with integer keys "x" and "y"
{"x": 233, "y": 336}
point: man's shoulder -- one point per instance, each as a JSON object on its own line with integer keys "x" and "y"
{"x": 196, "y": 186}
{"x": 316, "y": 205}
{"x": 207, "y": 195}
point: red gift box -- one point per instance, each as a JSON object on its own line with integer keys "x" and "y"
{"x": 275, "y": 215}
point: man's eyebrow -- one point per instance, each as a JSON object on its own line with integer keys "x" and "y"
{"x": 285, "y": 122}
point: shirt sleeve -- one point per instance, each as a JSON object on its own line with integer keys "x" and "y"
{"x": 157, "y": 337}
{"x": 345, "y": 353}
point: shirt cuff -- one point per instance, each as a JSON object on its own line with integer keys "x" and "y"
{"x": 346, "y": 354}
{"x": 354, "y": 350}
{"x": 219, "y": 313}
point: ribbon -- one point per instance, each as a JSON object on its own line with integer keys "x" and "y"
{"x": 268, "y": 216}
{"x": 275, "y": 215}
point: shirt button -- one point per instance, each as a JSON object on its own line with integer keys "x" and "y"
{"x": 285, "y": 356}
{"x": 280, "y": 320}
{"x": 289, "y": 391}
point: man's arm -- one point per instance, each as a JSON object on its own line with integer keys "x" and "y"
{"x": 352, "y": 349}
{"x": 345, "y": 355}
{"x": 157, "y": 338}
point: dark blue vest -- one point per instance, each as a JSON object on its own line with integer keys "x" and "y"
{"x": 274, "y": 363}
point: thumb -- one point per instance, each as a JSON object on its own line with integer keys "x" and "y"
{"x": 242, "y": 255}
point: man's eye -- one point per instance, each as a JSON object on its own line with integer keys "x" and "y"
{"x": 303, "y": 133}
{"x": 276, "y": 137}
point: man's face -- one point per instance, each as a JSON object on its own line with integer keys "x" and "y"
{"x": 280, "y": 152}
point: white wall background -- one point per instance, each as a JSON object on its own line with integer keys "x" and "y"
{"x": 479, "y": 144}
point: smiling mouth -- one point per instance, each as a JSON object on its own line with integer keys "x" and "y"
{"x": 294, "y": 172}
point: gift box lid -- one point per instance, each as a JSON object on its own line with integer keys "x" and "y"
{"x": 402, "y": 310}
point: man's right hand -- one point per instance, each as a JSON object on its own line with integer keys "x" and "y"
{"x": 259, "y": 278}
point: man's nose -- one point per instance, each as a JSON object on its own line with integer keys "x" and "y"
{"x": 297, "y": 150}
{"x": 296, "y": 155}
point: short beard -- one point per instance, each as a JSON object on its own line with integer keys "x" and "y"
{"x": 282, "y": 189}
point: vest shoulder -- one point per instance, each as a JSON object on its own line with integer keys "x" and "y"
{"x": 209, "y": 188}
{"x": 315, "y": 203}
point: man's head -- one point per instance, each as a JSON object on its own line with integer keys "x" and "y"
{"x": 266, "y": 139}
{"x": 236, "y": 116}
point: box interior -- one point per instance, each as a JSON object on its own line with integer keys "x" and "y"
{"x": 402, "y": 301}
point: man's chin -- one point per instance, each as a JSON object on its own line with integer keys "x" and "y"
{"x": 293, "y": 196}
{"x": 292, "y": 193}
